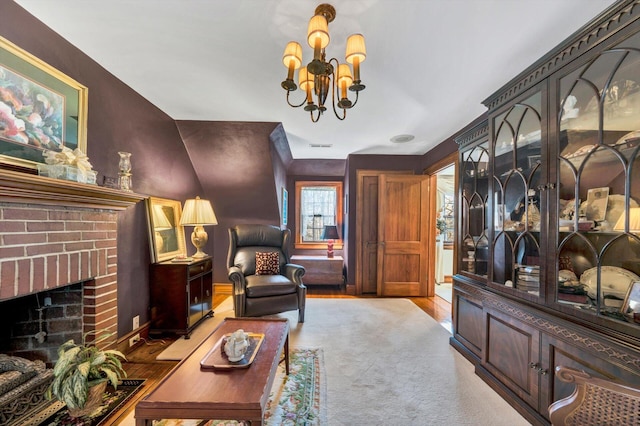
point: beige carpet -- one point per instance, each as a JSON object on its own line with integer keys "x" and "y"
{"x": 387, "y": 362}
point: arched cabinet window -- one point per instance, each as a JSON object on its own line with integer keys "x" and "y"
{"x": 598, "y": 186}
{"x": 517, "y": 196}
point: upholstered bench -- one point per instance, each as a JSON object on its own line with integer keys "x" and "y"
{"x": 22, "y": 387}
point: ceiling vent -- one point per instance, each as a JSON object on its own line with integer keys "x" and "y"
{"x": 402, "y": 138}
{"x": 320, "y": 145}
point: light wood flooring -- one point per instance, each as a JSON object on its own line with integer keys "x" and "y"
{"x": 142, "y": 362}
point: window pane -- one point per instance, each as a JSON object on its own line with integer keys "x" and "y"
{"x": 317, "y": 209}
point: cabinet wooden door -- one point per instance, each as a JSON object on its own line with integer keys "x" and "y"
{"x": 403, "y": 217}
{"x": 512, "y": 355}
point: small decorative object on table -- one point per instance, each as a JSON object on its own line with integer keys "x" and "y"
{"x": 236, "y": 345}
{"x": 124, "y": 173}
{"x": 236, "y": 350}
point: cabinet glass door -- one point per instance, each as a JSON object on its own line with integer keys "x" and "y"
{"x": 517, "y": 171}
{"x": 598, "y": 169}
{"x": 474, "y": 216}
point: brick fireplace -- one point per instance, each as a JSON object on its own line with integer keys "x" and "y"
{"x": 54, "y": 234}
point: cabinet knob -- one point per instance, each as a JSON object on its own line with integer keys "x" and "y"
{"x": 533, "y": 365}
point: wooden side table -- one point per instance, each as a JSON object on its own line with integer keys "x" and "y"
{"x": 321, "y": 269}
{"x": 181, "y": 295}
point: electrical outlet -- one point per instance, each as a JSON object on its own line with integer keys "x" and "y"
{"x": 136, "y": 322}
{"x": 133, "y": 340}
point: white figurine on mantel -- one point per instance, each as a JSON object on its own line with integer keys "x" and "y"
{"x": 236, "y": 345}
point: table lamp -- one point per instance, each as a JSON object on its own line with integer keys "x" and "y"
{"x": 198, "y": 213}
{"x": 634, "y": 221}
{"x": 330, "y": 233}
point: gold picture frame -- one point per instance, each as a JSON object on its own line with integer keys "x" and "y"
{"x": 33, "y": 87}
{"x": 166, "y": 235}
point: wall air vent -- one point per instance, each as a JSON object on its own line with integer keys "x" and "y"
{"x": 320, "y": 145}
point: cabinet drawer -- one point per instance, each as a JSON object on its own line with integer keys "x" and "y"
{"x": 199, "y": 268}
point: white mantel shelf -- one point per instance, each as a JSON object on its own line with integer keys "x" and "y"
{"x": 17, "y": 187}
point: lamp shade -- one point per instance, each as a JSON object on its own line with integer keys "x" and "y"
{"x": 160, "y": 219}
{"x": 634, "y": 221}
{"x": 330, "y": 232}
{"x": 198, "y": 212}
{"x": 344, "y": 75}
{"x": 293, "y": 52}
{"x": 318, "y": 31}
{"x": 356, "y": 48}
{"x": 305, "y": 79}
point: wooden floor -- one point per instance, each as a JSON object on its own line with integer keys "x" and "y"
{"x": 141, "y": 362}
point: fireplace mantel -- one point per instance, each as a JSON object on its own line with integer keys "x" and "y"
{"x": 17, "y": 187}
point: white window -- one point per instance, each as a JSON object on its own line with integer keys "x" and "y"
{"x": 318, "y": 204}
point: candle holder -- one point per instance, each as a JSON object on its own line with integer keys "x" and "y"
{"x": 124, "y": 173}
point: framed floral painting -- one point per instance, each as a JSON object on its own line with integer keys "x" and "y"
{"x": 41, "y": 108}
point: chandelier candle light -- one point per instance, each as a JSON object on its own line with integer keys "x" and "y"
{"x": 320, "y": 75}
{"x": 198, "y": 213}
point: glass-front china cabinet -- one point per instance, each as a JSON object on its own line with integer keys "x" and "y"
{"x": 548, "y": 232}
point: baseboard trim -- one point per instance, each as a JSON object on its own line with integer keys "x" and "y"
{"x": 123, "y": 342}
{"x": 223, "y": 288}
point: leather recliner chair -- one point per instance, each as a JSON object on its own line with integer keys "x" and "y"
{"x": 257, "y": 295}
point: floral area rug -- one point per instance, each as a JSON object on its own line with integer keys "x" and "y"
{"x": 296, "y": 399}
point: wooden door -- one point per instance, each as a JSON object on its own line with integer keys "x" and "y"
{"x": 403, "y": 218}
{"x": 369, "y": 234}
{"x": 367, "y": 229}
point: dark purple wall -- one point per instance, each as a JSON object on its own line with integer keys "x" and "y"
{"x": 119, "y": 119}
{"x": 236, "y": 164}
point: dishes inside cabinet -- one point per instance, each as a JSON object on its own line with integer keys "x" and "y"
{"x": 614, "y": 283}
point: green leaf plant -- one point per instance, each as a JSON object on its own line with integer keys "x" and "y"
{"x": 81, "y": 366}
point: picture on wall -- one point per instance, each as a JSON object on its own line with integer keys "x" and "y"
{"x": 285, "y": 206}
{"x": 596, "y": 207}
{"x": 40, "y": 108}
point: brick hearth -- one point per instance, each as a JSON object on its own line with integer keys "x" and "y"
{"x": 45, "y": 247}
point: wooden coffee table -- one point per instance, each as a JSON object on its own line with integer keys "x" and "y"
{"x": 189, "y": 392}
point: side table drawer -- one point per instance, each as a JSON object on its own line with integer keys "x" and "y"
{"x": 199, "y": 268}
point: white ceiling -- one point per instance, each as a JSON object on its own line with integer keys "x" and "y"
{"x": 429, "y": 63}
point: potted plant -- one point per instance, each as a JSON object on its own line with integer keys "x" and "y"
{"x": 81, "y": 374}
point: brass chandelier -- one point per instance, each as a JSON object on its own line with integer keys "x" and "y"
{"x": 320, "y": 75}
